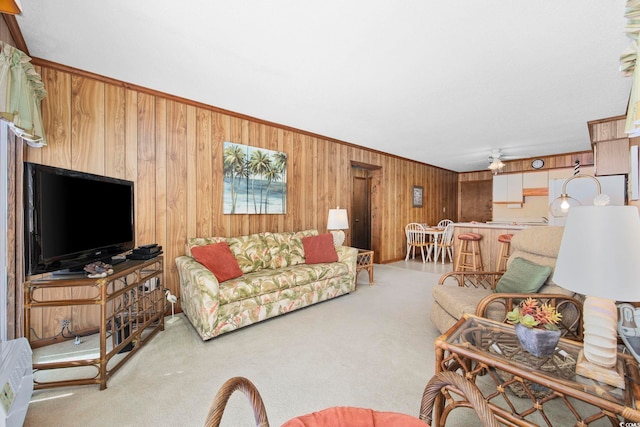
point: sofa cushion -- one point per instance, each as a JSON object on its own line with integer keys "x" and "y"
{"x": 286, "y": 248}
{"x": 523, "y": 276}
{"x": 539, "y": 240}
{"x": 458, "y": 300}
{"x": 538, "y": 244}
{"x": 267, "y": 281}
{"x": 319, "y": 249}
{"x": 217, "y": 257}
{"x": 251, "y": 251}
{"x": 201, "y": 241}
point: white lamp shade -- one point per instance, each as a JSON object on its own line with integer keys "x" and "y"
{"x": 600, "y": 252}
{"x": 337, "y": 219}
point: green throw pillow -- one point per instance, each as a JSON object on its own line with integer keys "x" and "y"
{"x": 523, "y": 276}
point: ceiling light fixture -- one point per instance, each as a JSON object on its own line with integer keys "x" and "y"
{"x": 560, "y": 206}
{"x": 12, "y": 7}
{"x": 495, "y": 163}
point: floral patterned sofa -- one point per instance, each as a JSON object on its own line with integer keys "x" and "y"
{"x": 252, "y": 278}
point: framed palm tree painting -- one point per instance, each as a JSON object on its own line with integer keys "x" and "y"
{"x": 255, "y": 180}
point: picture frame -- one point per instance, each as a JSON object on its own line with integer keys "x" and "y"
{"x": 417, "y": 196}
{"x": 254, "y": 180}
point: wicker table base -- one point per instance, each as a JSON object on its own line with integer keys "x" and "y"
{"x": 365, "y": 262}
{"x": 524, "y": 390}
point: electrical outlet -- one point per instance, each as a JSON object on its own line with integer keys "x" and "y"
{"x": 65, "y": 323}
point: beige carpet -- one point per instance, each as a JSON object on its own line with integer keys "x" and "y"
{"x": 372, "y": 348}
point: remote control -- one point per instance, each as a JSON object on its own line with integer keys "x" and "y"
{"x": 150, "y": 245}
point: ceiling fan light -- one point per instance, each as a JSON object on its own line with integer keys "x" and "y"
{"x": 496, "y": 164}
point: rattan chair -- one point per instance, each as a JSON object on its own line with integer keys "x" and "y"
{"x": 449, "y": 385}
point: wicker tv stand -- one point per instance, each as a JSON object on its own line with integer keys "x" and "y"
{"x": 131, "y": 307}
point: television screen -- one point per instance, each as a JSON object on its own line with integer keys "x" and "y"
{"x": 74, "y": 218}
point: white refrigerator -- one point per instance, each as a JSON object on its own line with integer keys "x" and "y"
{"x": 584, "y": 190}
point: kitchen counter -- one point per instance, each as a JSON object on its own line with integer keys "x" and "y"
{"x": 489, "y": 245}
{"x": 493, "y": 225}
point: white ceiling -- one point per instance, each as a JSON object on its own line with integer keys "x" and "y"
{"x": 444, "y": 83}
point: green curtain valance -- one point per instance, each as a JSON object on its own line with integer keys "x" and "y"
{"x": 21, "y": 93}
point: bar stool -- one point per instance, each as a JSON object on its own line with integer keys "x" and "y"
{"x": 469, "y": 257}
{"x": 503, "y": 255}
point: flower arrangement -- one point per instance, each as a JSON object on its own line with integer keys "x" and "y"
{"x": 532, "y": 314}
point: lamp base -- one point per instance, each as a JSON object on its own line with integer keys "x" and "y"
{"x": 338, "y": 237}
{"x": 612, "y": 376}
{"x": 172, "y": 320}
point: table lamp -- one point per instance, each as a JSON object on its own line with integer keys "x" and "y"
{"x": 599, "y": 258}
{"x": 337, "y": 222}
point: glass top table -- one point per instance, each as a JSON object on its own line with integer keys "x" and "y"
{"x": 525, "y": 390}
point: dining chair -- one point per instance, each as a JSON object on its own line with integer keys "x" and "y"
{"x": 445, "y": 245}
{"x": 444, "y": 222}
{"x": 417, "y": 238}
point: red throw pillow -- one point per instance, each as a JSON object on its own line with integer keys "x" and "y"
{"x": 319, "y": 249}
{"x": 218, "y": 258}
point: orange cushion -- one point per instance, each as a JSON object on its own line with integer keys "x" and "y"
{"x": 505, "y": 238}
{"x": 345, "y": 416}
{"x": 319, "y": 249}
{"x": 217, "y": 257}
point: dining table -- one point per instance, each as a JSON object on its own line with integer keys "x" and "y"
{"x": 434, "y": 234}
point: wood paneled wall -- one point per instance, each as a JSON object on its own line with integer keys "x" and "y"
{"x": 5, "y": 32}
{"x": 172, "y": 149}
{"x": 558, "y": 161}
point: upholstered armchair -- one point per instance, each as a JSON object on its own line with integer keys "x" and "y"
{"x": 492, "y": 294}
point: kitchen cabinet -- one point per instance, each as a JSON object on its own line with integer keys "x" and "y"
{"x": 610, "y": 146}
{"x": 507, "y": 188}
{"x": 612, "y": 157}
{"x": 535, "y": 183}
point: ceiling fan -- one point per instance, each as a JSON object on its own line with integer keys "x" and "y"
{"x": 495, "y": 162}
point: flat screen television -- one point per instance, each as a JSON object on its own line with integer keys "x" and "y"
{"x": 74, "y": 218}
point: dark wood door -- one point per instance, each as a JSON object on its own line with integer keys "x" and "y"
{"x": 476, "y": 198}
{"x": 361, "y": 213}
